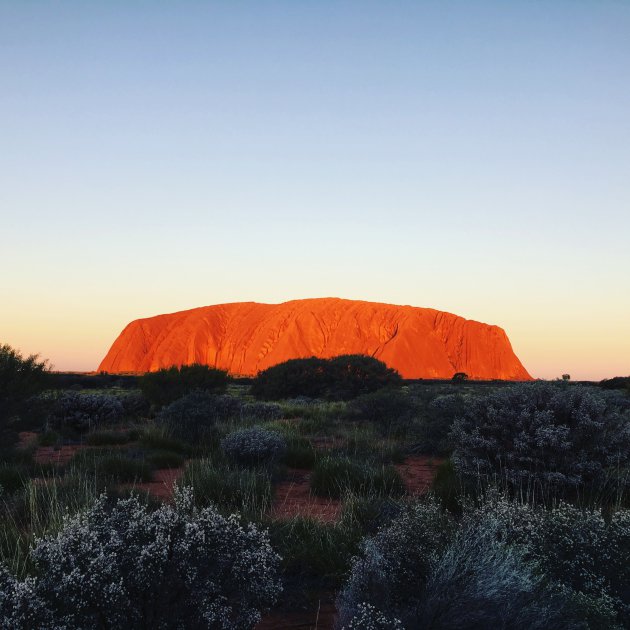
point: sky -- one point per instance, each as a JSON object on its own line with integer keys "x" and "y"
{"x": 471, "y": 156}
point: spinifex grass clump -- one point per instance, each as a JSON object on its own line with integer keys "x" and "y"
{"x": 120, "y": 565}
{"x": 113, "y": 465}
{"x": 334, "y": 476}
{"x": 254, "y": 446}
{"x": 229, "y": 488}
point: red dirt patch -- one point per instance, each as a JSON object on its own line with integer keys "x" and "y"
{"x": 293, "y": 498}
{"x": 162, "y": 485}
{"x": 58, "y": 455}
{"x": 320, "y": 617}
{"x": 418, "y": 472}
{"x": 26, "y": 439}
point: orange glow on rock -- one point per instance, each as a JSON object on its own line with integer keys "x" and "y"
{"x": 246, "y": 337}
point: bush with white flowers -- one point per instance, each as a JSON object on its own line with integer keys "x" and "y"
{"x": 254, "y": 446}
{"x": 121, "y": 566}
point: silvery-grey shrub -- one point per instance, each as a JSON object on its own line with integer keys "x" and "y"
{"x": 194, "y": 416}
{"x": 503, "y": 564}
{"x": 392, "y": 569}
{"x": 85, "y": 411}
{"x": 587, "y": 555}
{"x": 262, "y": 411}
{"x": 254, "y": 446}
{"x": 545, "y": 437}
{"x": 123, "y": 566}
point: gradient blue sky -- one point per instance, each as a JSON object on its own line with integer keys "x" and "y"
{"x": 468, "y": 156}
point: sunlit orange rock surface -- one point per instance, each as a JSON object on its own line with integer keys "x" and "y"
{"x": 246, "y": 337}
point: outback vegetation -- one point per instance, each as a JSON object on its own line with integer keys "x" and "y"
{"x": 326, "y": 488}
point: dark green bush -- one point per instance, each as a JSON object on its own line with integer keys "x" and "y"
{"x": 339, "y": 378}
{"x": 81, "y": 412}
{"x": 169, "y": 384}
{"x": 20, "y": 378}
{"x": 193, "y": 417}
{"x": 436, "y": 421}
{"x": 311, "y": 549}
{"x": 254, "y": 446}
{"x": 165, "y": 459}
{"x": 334, "y": 476}
{"x": 388, "y": 408}
{"x": 300, "y": 453}
{"x": 12, "y": 478}
{"x": 106, "y": 438}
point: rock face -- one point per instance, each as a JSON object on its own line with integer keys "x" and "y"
{"x": 247, "y": 337}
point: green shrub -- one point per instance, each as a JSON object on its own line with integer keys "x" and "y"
{"x": 169, "y": 384}
{"x": 48, "y": 438}
{"x": 389, "y": 408}
{"x": 310, "y": 548}
{"x": 84, "y": 411}
{"x": 12, "y": 479}
{"x": 193, "y": 417}
{"x": 157, "y": 438}
{"x": 106, "y": 438}
{"x": 254, "y": 446}
{"x": 260, "y": 411}
{"x": 339, "y": 378}
{"x": 165, "y": 459}
{"x": 243, "y": 490}
{"x": 20, "y": 378}
{"x": 299, "y": 453}
{"x": 334, "y": 476}
{"x": 435, "y": 424}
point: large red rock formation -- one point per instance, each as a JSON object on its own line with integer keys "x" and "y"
{"x": 246, "y": 337}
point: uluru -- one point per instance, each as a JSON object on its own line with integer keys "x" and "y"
{"x": 246, "y": 337}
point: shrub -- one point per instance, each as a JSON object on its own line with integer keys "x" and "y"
{"x": 20, "y": 378}
{"x": 312, "y": 549}
{"x": 169, "y": 384}
{"x": 135, "y": 404}
{"x": 12, "y": 479}
{"x": 254, "y": 446}
{"x": 334, "y": 476}
{"x": 544, "y": 437}
{"x": 299, "y": 453}
{"x": 246, "y": 491}
{"x": 436, "y": 422}
{"x": 82, "y": 412}
{"x": 586, "y": 554}
{"x": 121, "y": 565}
{"x": 393, "y": 567}
{"x": 194, "y": 416}
{"x": 165, "y": 459}
{"x": 480, "y": 582}
{"x": 262, "y": 411}
{"x": 388, "y": 408}
{"x": 106, "y": 438}
{"x": 339, "y": 378}
{"x": 356, "y": 374}
{"x": 426, "y": 572}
